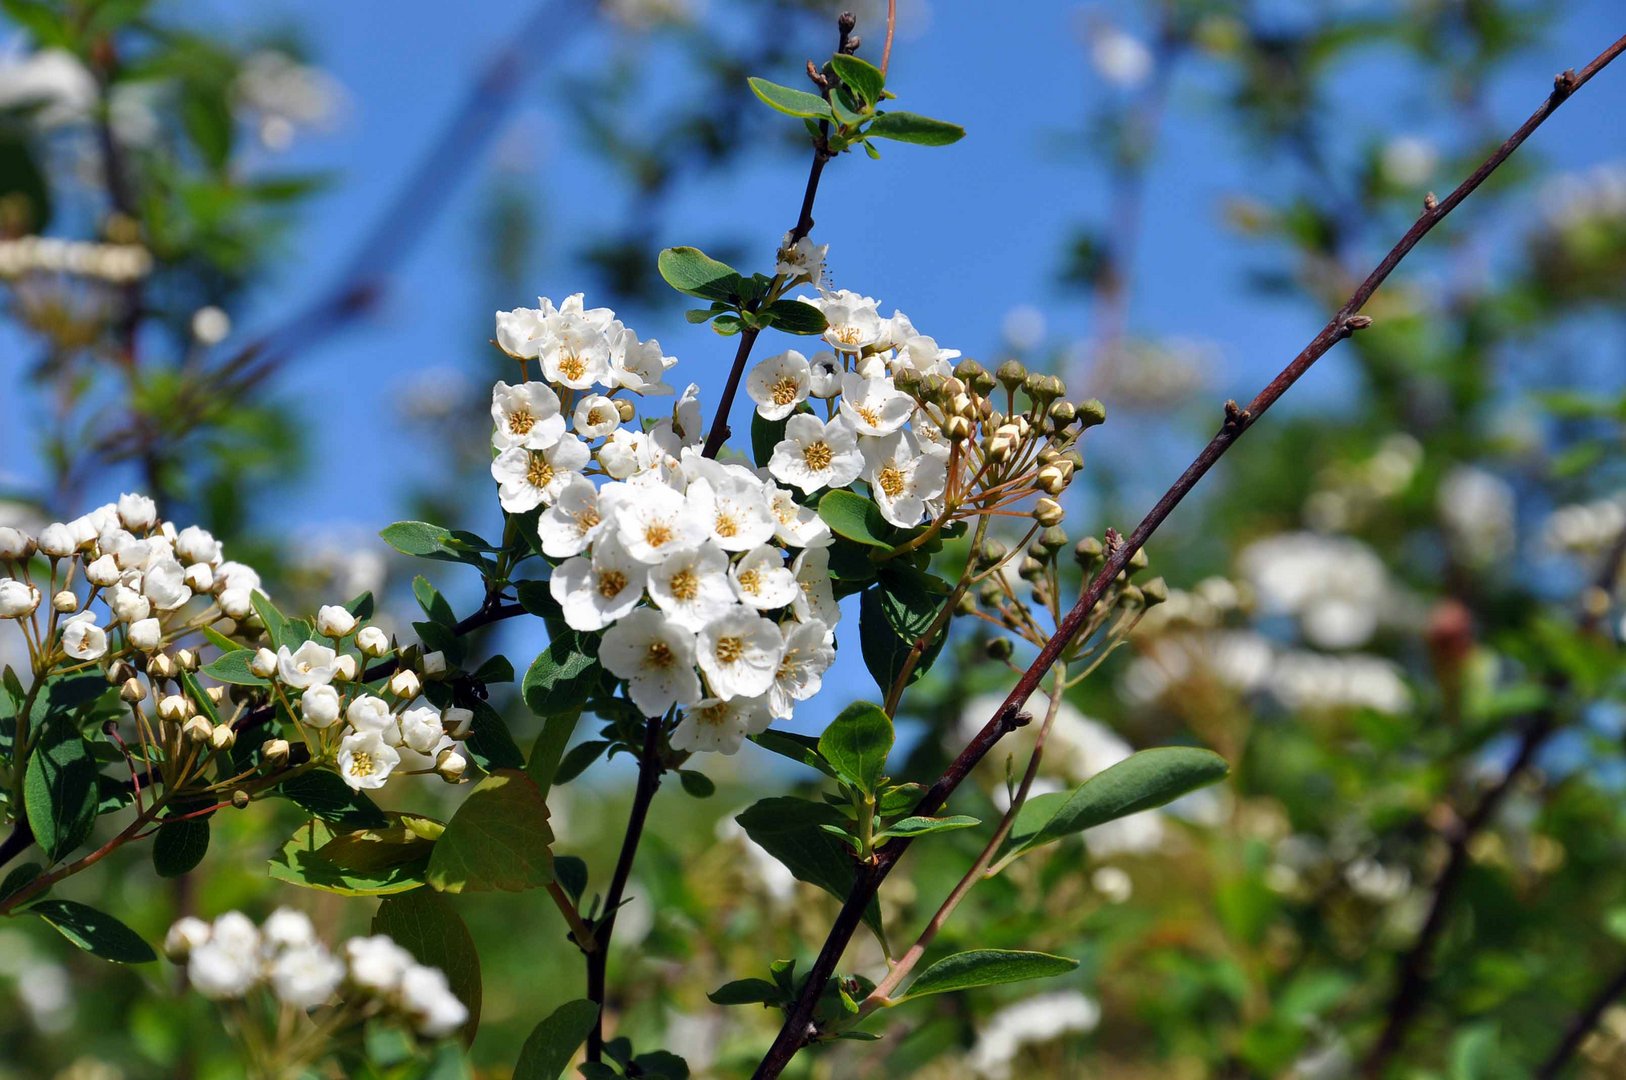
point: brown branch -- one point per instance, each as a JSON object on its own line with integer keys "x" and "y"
{"x": 798, "y": 1029}
{"x": 891, "y": 28}
{"x": 1581, "y": 1027}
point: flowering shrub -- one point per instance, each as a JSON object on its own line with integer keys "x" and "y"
{"x": 691, "y": 582}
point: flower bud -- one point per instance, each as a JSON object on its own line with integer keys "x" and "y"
{"x": 405, "y": 684}
{"x": 186, "y": 659}
{"x": 274, "y": 752}
{"x": 200, "y": 578}
{"x": 103, "y": 572}
{"x": 1031, "y": 568}
{"x": 999, "y": 648}
{"x": 56, "y": 540}
{"x": 960, "y": 405}
{"x": 128, "y": 605}
{"x": 1052, "y": 480}
{"x": 968, "y": 369}
{"x": 15, "y": 545}
{"x": 434, "y": 664}
{"x": 119, "y": 671}
{"x": 222, "y": 737}
{"x": 174, "y": 708}
{"x": 334, "y": 621}
{"x": 991, "y": 551}
{"x": 1048, "y": 512}
{"x": 457, "y": 721}
{"x": 18, "y": 599}
{"x": 990, "y": 594}
{"x": 966, "y": 605}
{"x": 450, "y": 765}
{"x": 999, "y": 445}
{"x": 626, "y": 411}
{"x": 161, "y": 667}
{"x": 146, "y": 635}
{"x": 1053, "y": 539}
{"x": 907, "y": 381}
{"x": 187, "y": 934}
{"x": 344, "y": 669}
{"x": 66, "y": 601}
{"x": 1156, "y": 591}
{"x": 1062, "y": 413}
{"x": 137, "y": 512}
{"x": 372, "y": 641}
{"x": 957, "y": 429}
{"x": 1087, "y": 552}
{"x": 216, "y": 694}
{"x": 240, "y": 799}
{"x": 263, "y": 663}
{"x": 1131, "y": 596}
{"x": 133, "y": 692}
{"x": 1092, "y": 412}
{"x": 197, "y": 729}
{"x": 1041, "y": 389}
{"x": 1138, "y": 561}
{"x": 1011, "y": 374}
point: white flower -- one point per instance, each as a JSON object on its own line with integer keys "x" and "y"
{"x": 735, "y": 504}
{"x": 377, "y": 962}
{"x": 574, "y": 351}
{"x": 334, "y": 621}
{"x": 657, "y": 523}
{"x": 286, "y": 928}
{"x": 365, "y": 760}
{"x": 801, "y": 260}
{"x": 639, "y": 365}
{"x": 817, "y": 599}
{"x": 146, "y": 634}
{"x": 779, "y": 384}
{"x": 572, "y": 522}
{"x": 128, "y": 605}
{"x": 520, "y": 330}
{"x": 1118, "y": 57}
{"x": 219, "y": 972}
{"x": 807, "y": 656}
{"x": 164, "y": 583}
{"x": 595, "y": 416}
{"x": 372, "y": 641}
{"x": 739, "y": 653}
{"x": 626, "y": 453}
{"x": 902, "y": 477}
{"x": 56, "y": 540}
{"x": 655, "y": 656}
{"x": 797, "y": 525}
{"x": 368, "y": 714}
{"x": 854, "y": 320}
{"x": 186, "y": 934}
{"x": 17, "y": 599}
{"x": 137, "y": 512}
{"x": 815, "y": 454}
{"x": 14, "y": 543}
{"x": 82, "y": 639}
{"x": 692, "y": 586}
{"x": 309, "y": 665}
{"x": 319, "y": 706}
{"x": 421, "y": 729}
{"x": 874, "y": 406}
{"x": 761, "y": 579}
{"x": 824, "y": 375}
{"x": 527, "y": 479}
{"x": 714, "y": 724}
{"x": 428, "y": 999}
{"x": 305, "y": 976}
{"x": 1032, "y": 1021}
{"x": 195, "y": 545}
{"x": 526, "y": 415}
{"x": 596, "y": 591}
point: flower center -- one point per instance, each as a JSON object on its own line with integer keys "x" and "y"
{"x": 730, "y": 649}
{"x": 657, "y": 534}
{"x": 361, "y": 763}
{"x": 847, "y": 335}
{"x": 610, "y": 584}
{"x": 540, "y": 474}
{"x": 586, "y": 520}
{"x": 713, "y": 715}
{"x": 818, "y": 456}
{"x": 891, "y": 481}
{"x": 725, "y": 525}
{"x": 595, "y": 417}
{"x": 787, "y": 664}
{"x": 572, "y": 367}
{"x": 784, "y": 390}
{"x": 869, "y": 415}
{"x": 521, "y": 421}
{"x": 658, "y": 655}
{"x": 750, "y": 581}
{"x": 685, "y": 584}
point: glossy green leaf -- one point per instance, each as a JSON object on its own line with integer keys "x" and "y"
{"x": 553, "y": 1042}
{"x": 856, "y": 745}
{"x": 855, "y": 517}
{"x": 799, "y": 748}
{"x": 549, "y": 749}
{"x": 986, "y": 967}
{"x": 796, "y": 317}
{"x": 563, "y": 675}
{"x": 790, "y": 101}
{"x": 790, "y": 830}
{"x": 920, "y": 826}
{"x": 96, "y": 932}
{"x": 59, "y": 789}
{"x": 911, "y": 128}
{"x": 489, "y": 744}
{"x": 367, "y": 862}
{"x": 498, "y": 839}
{"x": 232, "y": 667}
{"x": 325, "y": 795}
{"x": 863, "y": 77}
{"x": 425, "y": 924}
{"x": 694, "y": 273}
{"x": 179, "y": 846}
{"x": 747, "y": 992}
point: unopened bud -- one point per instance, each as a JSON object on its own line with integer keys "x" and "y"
{"x": 186, "y": 659}
{"x": 999, "y": 648}
{"x": 240, "y": 799}
{"x": 274, "y": 751}
{"x": 222, "y": 737}
{"x": 1039, "y": 389}
{"x": 1087, "y": 552}
{"x": 434, "y": 664}
{"x": 161, "y": 667}
{"x": 1156, "y": 591}
{"x": 405, "y": 684}
{"x": 990, "y": 594}
{"x": 215, "y": 694}
{"x": 991, "y": 551}
{"x": 965, "y": 605}
{"x": 1048, "y": 512}
{"x": 960, "y": 405}
{"x": 967, "y": 370}
{"x": 1011, "y": 374}
{"x": 120, "y": 671}
{"x": 958, "y": 429}
{"x": 1052, "y": 480}
{"x": 907, "y": 381}
{"x": 334, "y": 621}
{"x": 1053, "y": 539}
{"x": 263, "y": 663}
{"x": 1031, "y": 568}
{"x": 999, "y": 446}
{"x": 344, "y": 669}
{"x": 133, "y": 691}
{"x": 197, "y": 729}
{"x": 625, "y": 410}
{"x": 450, "y": 765}
{"x": 1062, "y": 413}
{"x": 372, "y": 641}
{"x": 457, "y": 721}
{"x": 1092, "y": 412}
{"x": 200, "y": 578}
{"x": 174, "y": 708}
{"x": 1138, "y": 561}
{"x": 65, "y": 601}
{"x": 1132, "y": 596}
{"x": 103, "y": 572}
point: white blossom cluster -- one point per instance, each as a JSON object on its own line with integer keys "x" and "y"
{"x": 1585, "y": 529}
{"x": 1335, "y": 586}
{"x": 119, "y": 264}
{"x": 709, "y": 581}
{"x": 1031, "y": 1022}
{"x": 230, "y": 958}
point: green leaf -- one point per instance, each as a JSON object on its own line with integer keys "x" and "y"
{"x": 563, "y": 675}
{"x": 798, "y": 748}
{"x": 425, "y": 924}
{"x": 232, "y": 667}
{"x": 789, "y": 101}
{"x": 96, "y": 932}
{"x": 790, "y": 829}
{"x": 59, "y": 789}
{"x": 911, "y": 128}
{"x": 433, "y": 604}
{"x": 986, "y": 967}
{"x": 368, "y": 862}
{"x": 659, "y": 1065}
{"x": 180, "y": 845}
{"x": 277, "y": 625}
{"x": 855, "y": 517}
{"x": 1141, "y": 781}
{"x": 578, "y": 759}
{"x": 549, "y": 749}
{"x": 856, "y": 745}
{"x": 747, "y": 992}
{"x": 863, "y": 77}
{"x": 325, "y": 795}
{"x": 20, "y": 877}
{"x": 920, "y": 826}
{"x": 553, "y": 1042}
{"x": 694, "y": 273}
{"x": 489, "y": 743}
{"x": 885, "y": 651}
{"x": 796, "y": 317}
{"x": 697, "y": 784}
{"x": 498, "y": 839}
{"x": 418, "y": 538}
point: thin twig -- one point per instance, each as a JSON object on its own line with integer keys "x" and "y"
{"x": 1581, "y": 1027}
{"x": 798, "y": 1029}
{"x": 891, "y": 28}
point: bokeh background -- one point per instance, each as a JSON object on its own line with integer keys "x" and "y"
{"x": 1374, "y": 599}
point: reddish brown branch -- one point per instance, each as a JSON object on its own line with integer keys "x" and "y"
{"x": 798, "y": 1029}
